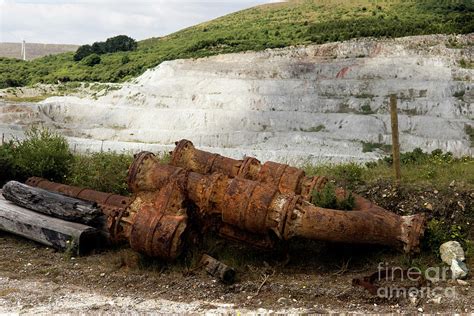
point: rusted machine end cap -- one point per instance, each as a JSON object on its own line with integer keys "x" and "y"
{"x": 181, "y": 147}
{"x": 413, "y": 228}
{"x": 157, "y": 235}
{"x": 135, "y": 169}
{"x": 311, "y": 184}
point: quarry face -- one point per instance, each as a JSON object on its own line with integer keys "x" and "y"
{"x": 300, "y": 104}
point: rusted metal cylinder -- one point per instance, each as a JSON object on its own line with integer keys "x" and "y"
{"x": 101, "y": 198}
{"x": 376, "y": 226}
{"x": 153, "y": 223}
{"x": 247, "y": 205}
{"x": 261, "y": 208}
{"x": 288, "y": 179}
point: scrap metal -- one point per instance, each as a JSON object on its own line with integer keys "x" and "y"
{"x": 261, "y": 209}
{"x": 288, "y": 179}
{"x": 153, "y": 224}
{"x": 241, "y": 200}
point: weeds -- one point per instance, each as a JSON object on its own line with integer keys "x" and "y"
{"x": 327, "y": 198}
{"x": 439, "y": 232}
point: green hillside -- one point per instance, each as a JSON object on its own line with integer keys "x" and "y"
{"x": 269, "y": 26}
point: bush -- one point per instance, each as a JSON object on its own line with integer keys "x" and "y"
{"x": 418, "y": 157}
{"x": 349, "y": 175}
{"x": 327, "y": 198}
{"x": 91, "y": 60}
{"x": 42, "y": 154}
{"x": 106, "y": 171}
{"x": 439, "y": 232}
{"x": 7, "y": 166}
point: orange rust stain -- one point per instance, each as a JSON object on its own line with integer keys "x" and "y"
{"x": 342, "y": 73}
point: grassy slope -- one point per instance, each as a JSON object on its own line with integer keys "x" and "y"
{"x": 269, "y": 26}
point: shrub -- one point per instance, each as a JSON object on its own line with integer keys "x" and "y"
{"x": 91, "y": 60}
{"x": 7, "y": 166}
{"x": 439, "y": 232}
{"x": 349, "y": 175}
{"x": 42, "y": 154}
{"x": 418, "y": 157}
{"x": 327, "y": 198}
{"x": 106, "y": 171}
{"x": 125, "y": 59}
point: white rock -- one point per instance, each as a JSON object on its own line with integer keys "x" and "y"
{"x": 459, "y": 269}
{"x": 451, "y": 250}
{"x": 462, "y": 282}
{"x": 295, "y": 105}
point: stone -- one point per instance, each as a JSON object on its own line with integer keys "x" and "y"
{"x": 292, "y": 105}
{"x": 451, "y": 250}
{"x": 435, "y": 300}
{"x": 462, "y": 282}
{"x": 459, "y": 269}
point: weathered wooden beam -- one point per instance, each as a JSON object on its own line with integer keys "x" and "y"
{"x": 54, "y": 204}
{"x": 56, "y": 233}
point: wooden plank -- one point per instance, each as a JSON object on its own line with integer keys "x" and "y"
{"x": 54, "y": 204}
{"x": 56, "y": 233}
{"x": 395, "y": 138}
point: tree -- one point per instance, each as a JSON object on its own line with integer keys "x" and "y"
{"x": 99, "y": 48}
{"x": 82, "y": 52}
{"x": 120, "y": 43}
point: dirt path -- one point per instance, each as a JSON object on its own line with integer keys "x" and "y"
{"x": 35, "y": 279}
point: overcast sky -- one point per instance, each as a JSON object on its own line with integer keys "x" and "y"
{"x": 87, "y": 21}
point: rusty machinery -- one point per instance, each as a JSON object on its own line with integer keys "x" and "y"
{"x": 288, "y": 179}
{"x": 240, "y": 205}
{"x": 153, "y": 224}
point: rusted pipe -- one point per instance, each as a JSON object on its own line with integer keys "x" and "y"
{"x": 101, "y": 198}
{"x": 288, "y": 179}
{"x": 260, "y": 208}
{"x": 153, "y": 224}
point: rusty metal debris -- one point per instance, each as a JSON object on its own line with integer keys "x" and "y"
{"x": 153, "y": 224}
{"x": 241, "y": 200}
{"x": 218, "y": 269}
{"x": 261, "y": 208}
{"x": 287, "y": 179}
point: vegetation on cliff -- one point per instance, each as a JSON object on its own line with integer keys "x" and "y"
{"x": 296, "y": 22}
